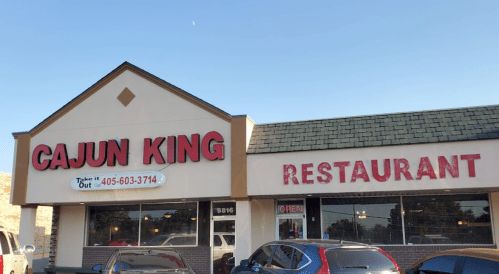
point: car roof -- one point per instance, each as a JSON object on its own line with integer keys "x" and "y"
{"x": 480, "y": 253}
{"x": 322, "y": 243}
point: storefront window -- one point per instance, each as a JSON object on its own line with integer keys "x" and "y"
{"x": 367, "y": 220}
{"x": 169, "y": 224}
{"x": 450, "y": 219}
{"x": 160, "y": 224}
{"x": 114, "y": 225}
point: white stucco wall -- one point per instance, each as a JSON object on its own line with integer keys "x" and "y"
{"x": 154, "y": 112}
{"x": 263, "y": 222}
{"x": 70, "y": 236}
{"x": 267, "y": 175}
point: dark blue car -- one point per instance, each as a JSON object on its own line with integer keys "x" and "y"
{"x": 318, "y": 257}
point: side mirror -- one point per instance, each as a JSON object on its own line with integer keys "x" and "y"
{"x": 28, "y": 249}
{"x": 256, "y": 267}
{"x": 244, "y": 263}
{"x": 97, "y": 267}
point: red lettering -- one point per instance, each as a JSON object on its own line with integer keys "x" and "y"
{"x": 151, "y": 149}
{"x": 186, "y": 148}
{"x": 171, "y": 149}
{"x": 218, "y": 149}
{"x": 91, "y": 152}
{"x": 60, "y": 158}
{"x": 471, "y": 163}
{"x": 291, "y": 174}
{"x": 77, "y": 163}
{"x": 282, "y": 209}
{"x": 321, "y": 170}
{"x": 305, "y": 172}
{"x": 115, "y": 152}
{"x": 342, "y": 166}
{"x": 299, "y": 208}
{"x": 293, "y": 209}
{"x": 359, "y": 171}
{"x": 443, "y": 165}
{"x": 386, "y": 167}
{"x": 425, "y": 169}
{"x": 398, "y": 168}
{"x": 37, "y": 153}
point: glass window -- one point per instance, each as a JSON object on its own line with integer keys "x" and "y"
{"x": 447, "y": 219}
{"x": 441, "y": 264}
{"x": 114, "y": 225}
{"x": 299, "y": 260}
{"x": 216, "y": 240}
{"x": 368, "y": 220}
{"x": 4, "y": 244}
{"x": 230, "y": 239}
{"x": 13, "y": 243}
{"x": 357, "y": 259}
{"x": 169, "y": 220}
{"x": 290, "y": 207}
{"x": 282, "y": 257}
{"x": 262, "y": 255}
{"x": 480, "y": 266}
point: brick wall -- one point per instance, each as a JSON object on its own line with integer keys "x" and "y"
{"x": 407, "y": 255}
{"x": 197, "y": 257}
{"x": 53, "y": 236}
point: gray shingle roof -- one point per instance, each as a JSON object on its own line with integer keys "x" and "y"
{"x": 463, "y": 124}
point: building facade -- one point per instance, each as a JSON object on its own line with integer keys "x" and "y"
{"x": 136, "y": 161}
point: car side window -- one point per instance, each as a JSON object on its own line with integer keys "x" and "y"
{"x": 217, "y": 241}
{"x": 438, "y": 265}
{"x": 282, "y": 257}
{"x": 13, "y": 243}
{"x": 262, "y": 255}
{"x": 299, "y": 260}
{"x": 4, "y": 244}
{"x": 480, "y": 266}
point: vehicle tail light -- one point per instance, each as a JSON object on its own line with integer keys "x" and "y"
{"x": 391, "y": 259}
{"x": 1, "y": 264}
{"x": 325, "y": 265}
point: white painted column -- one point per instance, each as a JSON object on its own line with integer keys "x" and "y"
{"x": 243, "y": 231}
{"x": 27, "y": 231}
{"x": 494, "y": 205}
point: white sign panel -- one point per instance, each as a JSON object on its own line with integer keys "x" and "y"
{"x": 125, "y": 180}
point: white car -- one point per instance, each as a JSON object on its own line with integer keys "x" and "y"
{"x": 12, "y": 258}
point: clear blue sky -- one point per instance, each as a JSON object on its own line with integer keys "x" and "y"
{"x": 273, "y": 60}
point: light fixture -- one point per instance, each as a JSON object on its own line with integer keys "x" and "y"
{"x": 156, "y": 230}
{"x": 146, "y": 218}
{"x": 309, "y": 195}
{"x": 168, "y": 216}
{"x": 82, "y": 203}
{"x": 115, "y": 228}
{"x": 193, "y": 218}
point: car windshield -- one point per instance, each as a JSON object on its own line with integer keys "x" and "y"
{"x": 150, "y": 261}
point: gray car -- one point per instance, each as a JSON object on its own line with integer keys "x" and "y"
{"x": 145, "y": 260}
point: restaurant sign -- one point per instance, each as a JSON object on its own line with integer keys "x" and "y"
{"x": 125, "y": 180}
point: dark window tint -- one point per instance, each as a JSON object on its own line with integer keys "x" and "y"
{"x": 480, "y": 266}
{"x": 262, "y": 255}
{"x": 4, "y": 244}
{"x": 217, "y": 241}
{"x": 13, "y": 243}
{"x": 299, "y": 260}
{"x": 352, "y": 260}
{"x": 282, "y": 257}
{"x": 441, "y": 264}
{"x": 448, "y": 219}
{"x": 230, "y": 239}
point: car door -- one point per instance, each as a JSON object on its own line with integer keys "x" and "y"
{"x": 479, "y": 266}
{"x": 260, "y": 257}
{"x": 16, "y": 254}
{"x": 7, "y": 256}
{"x": 445, "y": 264}
{"x": 281, "y": 260}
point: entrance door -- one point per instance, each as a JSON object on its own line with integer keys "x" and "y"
{"x": 223, "y": 244}
{"x": 290, "y": 228}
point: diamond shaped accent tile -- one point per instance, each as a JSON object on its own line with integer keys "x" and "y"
{"x": 126, "y": 96}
